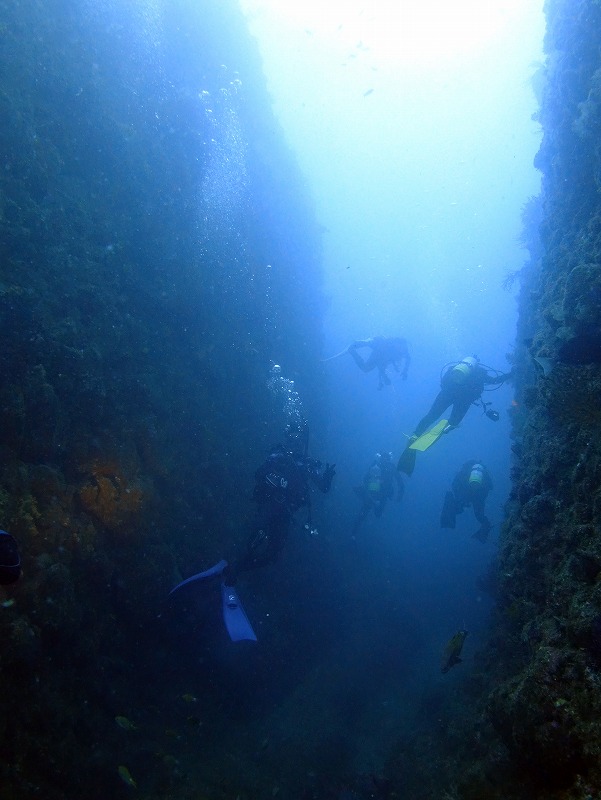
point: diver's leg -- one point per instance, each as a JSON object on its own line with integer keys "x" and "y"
{"x": 449, "y": 511}
{"x": 479, "y": 513}
{"x": 365, "y": 365}
{"x": 265, "y": 542}
{"x": 407, "y": 459}
{"x": 478, "y": 502}
{"x": 460, "y": 408}
{"x": 383, "y": 379}
{"x": 439, "y": 406}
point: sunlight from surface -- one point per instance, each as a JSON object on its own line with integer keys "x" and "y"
{"x": 423, "y": 32}
{"x": 412, "y": 122}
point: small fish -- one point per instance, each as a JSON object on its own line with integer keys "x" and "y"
{"x": 367, "y": 93}
{"x": 453, "y": 651}
{"x": 126, "y": 777}
{"x": 190, "y": 698}
{"x": 8, "y": 603}
{"x": 126, "y": 724}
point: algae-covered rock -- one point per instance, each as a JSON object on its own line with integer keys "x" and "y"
{"x": 581, "y": 341}
{"x": 137, "y": 320}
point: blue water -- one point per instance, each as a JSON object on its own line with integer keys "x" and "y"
{"x": 254, "y": 203}
{"x": 419, "y": 187}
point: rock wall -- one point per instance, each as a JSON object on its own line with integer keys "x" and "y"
{"x": 544, "y": 668}
{"x": 526, "y": 722}
{"x": 157, "y": 250}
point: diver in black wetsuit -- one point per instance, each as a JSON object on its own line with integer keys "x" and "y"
{"x": 470, "y": 487}
{"x": 378, "y": 487}
{"x": 460, "y": 386}
{"x": 385, "y": 352}
{"x": 283, "y": 485}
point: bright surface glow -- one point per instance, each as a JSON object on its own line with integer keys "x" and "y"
{"x": 395, "y": 32}
{"x": 412, "y": 124}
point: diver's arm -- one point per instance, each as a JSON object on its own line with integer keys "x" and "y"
{"x": 457, "y": 484}
{"x": 323, "y": 480}
{"x": 497, "y": 380}
{"x": 361, "y": 343}
{"x": 461, "y": 480}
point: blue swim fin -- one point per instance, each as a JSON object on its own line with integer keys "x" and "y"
{"x": 234, "y": 616}
{"x": 208, "y": 573}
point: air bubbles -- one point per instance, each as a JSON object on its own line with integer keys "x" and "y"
{"x": 284, "y": 392}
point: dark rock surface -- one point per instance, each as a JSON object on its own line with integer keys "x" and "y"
{"x": 157, "y": 251}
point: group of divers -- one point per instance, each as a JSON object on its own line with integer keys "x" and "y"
{"x": 284, "y": 480}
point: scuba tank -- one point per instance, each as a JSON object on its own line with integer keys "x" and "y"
{"x": 476, "y": 475}
{"x": 374, "y": 480}
{"x": 463, "y": 370}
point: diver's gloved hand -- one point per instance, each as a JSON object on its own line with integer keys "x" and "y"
{"x": 328, "y": 475}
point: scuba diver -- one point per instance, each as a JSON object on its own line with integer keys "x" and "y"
{"x": 282, "y": 487}
{"x": 10, "y": 560}
{"x": 378, "y": 488}
{"x": 470, "y": 487}
{"x": 384, "y": 353}
{"x": 461, "y": 386}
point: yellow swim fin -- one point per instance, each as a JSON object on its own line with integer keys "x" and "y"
{"x": 429, "y": 438}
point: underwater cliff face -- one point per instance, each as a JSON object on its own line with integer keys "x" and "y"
{"x": 527, "y": 722}
{"x": 544, "y": 667}
{"x": 157, "y": 251}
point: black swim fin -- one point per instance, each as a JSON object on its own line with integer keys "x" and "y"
{"x": 449, "y": 511}
{"x": 407, "y": 461}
